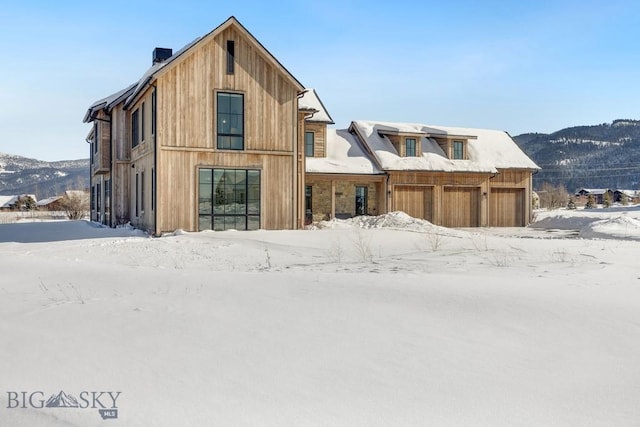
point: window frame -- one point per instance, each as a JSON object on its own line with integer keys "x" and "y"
{"x": 231, "y": 56}
{"x": 135, "y": 129}
{"x": 220, "y": 116}
{"x": 414, "y": 149}
{"x": 309, "y": 148}
{"x": 457, "y": 154}
{"x": 365, "y": 202}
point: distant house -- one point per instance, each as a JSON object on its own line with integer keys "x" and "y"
{"x": 598, "y": 194}
{"x": 8, "y": 203}
{"x": 50, "y": 203}
{"x": 633, "y": 196}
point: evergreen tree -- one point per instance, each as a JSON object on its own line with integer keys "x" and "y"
{"x": 606, "y": 201}
{"x": 571, "y": 204}
{"x": 591, "y": 203}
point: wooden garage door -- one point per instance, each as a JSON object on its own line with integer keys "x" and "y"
{"x": 414, "y": 200}
{"x": 506, "y": 207}
{"x": 461, "y": 207}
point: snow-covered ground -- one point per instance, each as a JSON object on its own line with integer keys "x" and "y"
{"x": 386, "y": 321}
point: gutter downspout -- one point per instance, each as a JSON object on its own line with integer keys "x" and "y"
{"x": 154, "y": 175}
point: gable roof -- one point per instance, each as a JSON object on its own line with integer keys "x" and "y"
{"x": 9, "y": 201}
{"x": 488, "y": 150}
{"x": 344, "y": 155}
{"x": 177, "y": 57}
{"x": 310, "y": 101}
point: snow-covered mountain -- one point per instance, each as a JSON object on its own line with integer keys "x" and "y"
{"x": 62, "y": 400}
{"x": 601, "y": 156}
{"x": 22, "y": 175}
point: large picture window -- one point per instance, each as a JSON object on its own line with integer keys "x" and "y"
{"x": 230, "y": 121}
{"x": 229, "y": 199}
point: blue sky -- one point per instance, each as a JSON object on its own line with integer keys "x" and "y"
{"x": 515, "y": 66}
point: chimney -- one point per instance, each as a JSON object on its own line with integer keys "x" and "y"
{"x": 161, "y": 54}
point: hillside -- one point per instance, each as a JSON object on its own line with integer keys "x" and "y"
{"x": 20, "y": 175}
{"x": 601, "y": 156}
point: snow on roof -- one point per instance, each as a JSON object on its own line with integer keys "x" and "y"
{"x": 9, "y": 201}
{"x": 108, "y": 102}
{"x": 344, "y": 155}
{"x": 593, "y": 190}
{"x": 488, "y": 150}
{"x": 45, "y": 202}
{"x": 310, "y": 101}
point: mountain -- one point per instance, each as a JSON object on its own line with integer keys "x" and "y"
{"x": 62, "y": 400}
{"x": 21, "y": 175}
{"x": 600, "y": 156}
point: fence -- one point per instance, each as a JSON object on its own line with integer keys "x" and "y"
{"x": 17, "y": 216}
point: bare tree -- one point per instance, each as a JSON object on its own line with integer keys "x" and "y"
{"x": 553, "y": 197}
{"x": 75, "y": 204}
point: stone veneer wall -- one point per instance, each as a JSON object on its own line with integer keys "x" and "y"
{"x": 345, "y": 197}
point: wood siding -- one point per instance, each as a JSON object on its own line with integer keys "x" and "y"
{"x": 461, "y": 207}
{"x": 414, "y": 200}
{"x": 187, "y": 139}
{"x": 507, "y": 207}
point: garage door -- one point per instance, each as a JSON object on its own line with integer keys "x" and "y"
{"x": 413, "y": 200}
{"x": 461, "y": 207}
{"x": 506, "y": 207}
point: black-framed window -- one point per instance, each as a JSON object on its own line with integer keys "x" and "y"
{"x": 142, "y": 191}
{"x": 362, "y": 194}
{"x": 309, "y": 143}
{"x": 230, "y": 118}
{"x": 308, "y": 204}
{"x": 142, "y": 133}
{"x": 410, "y": 147}
{"x": 107, "y": 201}
{"x": 96, "y": 136}
{"x": 231, "y": 55}
{"x": 153, "y": 189}
{"x": 98, "y": 204}
{"x": 135, "y": 130}
{"x": 229, "y": 199}
{"x": 458, "y": 150}
{"x": 154, "y": 107}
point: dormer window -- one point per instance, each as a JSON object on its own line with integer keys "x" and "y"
{"x": 410, "y": 147}
{"x": 309, "y": 144}
{"x": 458, "y": 150}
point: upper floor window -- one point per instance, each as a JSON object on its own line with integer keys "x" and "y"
{"x": 142, "y": 122}
{"x": 231, "y": 55}
{"x": 135, "y": 131}
{"x": 153, "y": 111}
{"x": 230, "y": 118}
{"x": 410, "y": 147}
{"x": 458, "y": 150}
{"x": 309, "y": 144}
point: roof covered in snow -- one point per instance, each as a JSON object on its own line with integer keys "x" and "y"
{"x": 344, "y": 155}
{"x": 48, "y": 200}
{"x": 9, "y": 201}
{"x": 108, "y": 103}
{"x": 488, "y": 150}
{"x": 310, "y": 101}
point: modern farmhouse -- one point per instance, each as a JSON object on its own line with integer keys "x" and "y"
{"x": 219, "y": 135}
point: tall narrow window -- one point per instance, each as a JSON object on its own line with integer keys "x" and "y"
{"x": 134, "y": 129}
{"x": 153, "y": 112}
{"x": 230, "y": 117}
{"x": 231, "y": 56}
{"x": 153, "y": 189}
{"x": 142, "y": 191}
{"x": 308, "y": 204}
{"x": 107, "y": 202}
{"x": 410, "y": 147}
{"x": 309, "y": 144}
{"x": 96, "y": 136}
{"x": 458, "y": 150}
{"x": 98, "y": 204}
{"x": 137, "y": 198}
{"x": 142, "y": 122}
{"x": 361, "y": 200}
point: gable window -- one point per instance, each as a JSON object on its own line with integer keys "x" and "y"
{"x": 231, "y": 54}
{"x": 134, "y": 129}
{"x": 410, "y": 147}
{"x": 230, "y": 121}
{"x": 458, "y": 150}
{"x": 309, "y": 144}
{"x": 229, "y": 199}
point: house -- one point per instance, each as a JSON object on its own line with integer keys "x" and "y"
{"x": 50, "y": 204}
{"x": 219, "y": 135}
{"x": 632, "y": 196}
{"x": 210, "y": 137}
{"x": 10, "y": 203}
{"x": 455, "y": 177}
{"x": 598, "y": 194}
